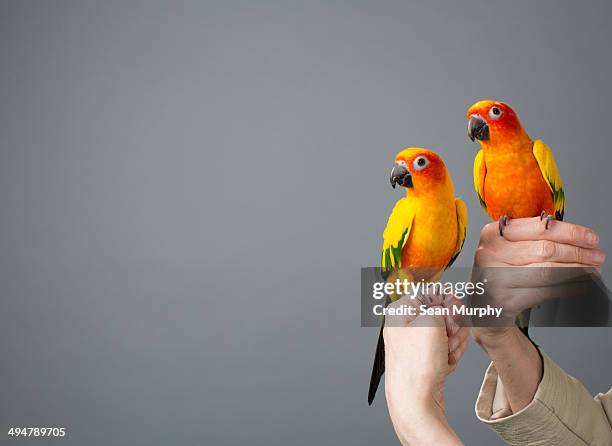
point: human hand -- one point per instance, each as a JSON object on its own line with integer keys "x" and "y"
{"x": 419, "y": 355}
{"x": 526, "y": 243}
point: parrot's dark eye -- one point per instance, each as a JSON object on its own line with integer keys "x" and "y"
{"x": 495, "y": 112}
{"x": 420, "y": 163}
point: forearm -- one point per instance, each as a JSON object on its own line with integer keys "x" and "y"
{"x": 518, "y": 364}
{"x": 424, "y": 426}
{"x": 416, "y": 407}
{"x": 417, "y": 412}
{"x": 417, "y": 361}
{"x": 562, "y": 411}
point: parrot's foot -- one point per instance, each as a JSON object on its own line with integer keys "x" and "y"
{"x": 549, "y": 218}
{"x": 503, "y": 222}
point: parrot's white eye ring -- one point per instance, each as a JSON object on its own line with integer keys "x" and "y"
{"x": 420, "y": 163}
{"x": 495, "y": 112}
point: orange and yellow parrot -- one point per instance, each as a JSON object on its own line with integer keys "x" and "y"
{"x": 425, "y": 231}
{"x": 514, "y": 176}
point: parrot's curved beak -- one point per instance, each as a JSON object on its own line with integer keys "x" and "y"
{"x": 401, "y": 176}
{"x": 478, "y": 128}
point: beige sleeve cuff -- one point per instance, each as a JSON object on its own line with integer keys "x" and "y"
{"x": 562, "y": 412}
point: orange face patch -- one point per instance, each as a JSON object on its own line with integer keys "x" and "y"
{"x": 424, "y": 165}
{"x": 502, "y": 120}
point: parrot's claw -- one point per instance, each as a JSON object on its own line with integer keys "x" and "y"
{"x": 549, "y": 218}
{"x": 503, "y": 222}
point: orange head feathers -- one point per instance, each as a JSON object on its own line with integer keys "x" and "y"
{"x": 421, "y": 172}
{"x": 495, "y": 125}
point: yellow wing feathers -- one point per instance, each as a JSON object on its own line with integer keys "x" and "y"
{"x": 396, "y": 234}
{"x": 548, "y": 167}
{"x": 398, "y": 228}
{"x": 462, "y": 222}
{"x": 480, "y": 172}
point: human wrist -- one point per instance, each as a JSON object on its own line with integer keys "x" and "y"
{"x": 493, "y": 340}
{"x": 518, "y": 364}
{"x": 506, "y": 343}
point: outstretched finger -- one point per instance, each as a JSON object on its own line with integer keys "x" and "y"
{"x": 522, "y": 229}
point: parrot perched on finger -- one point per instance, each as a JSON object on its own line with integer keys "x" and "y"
{"x": 514, "y": 176}
{"x": 425, "y": 232}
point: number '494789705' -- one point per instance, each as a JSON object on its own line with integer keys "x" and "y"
{"x": 37, "y": 432}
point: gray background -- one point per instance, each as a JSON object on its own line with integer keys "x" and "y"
{"x": 188, "y": 192}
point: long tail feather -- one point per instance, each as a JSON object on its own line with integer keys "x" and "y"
{"x": 378, "y": 369}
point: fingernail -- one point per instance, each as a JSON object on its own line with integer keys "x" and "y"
{"x": 592, "y": 238}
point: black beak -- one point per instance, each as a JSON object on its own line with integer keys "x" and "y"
{"x": 478, "y": 128}
{"x": 401, "y": 176}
